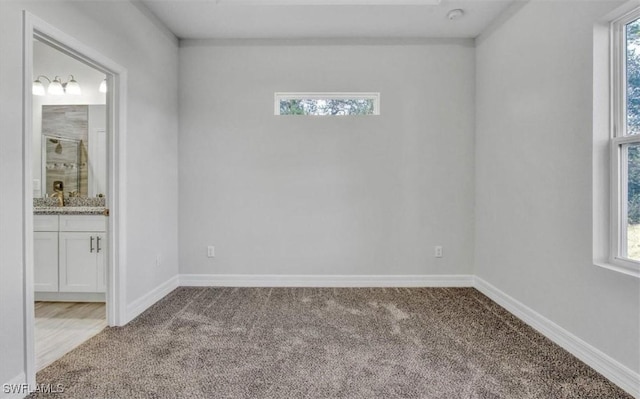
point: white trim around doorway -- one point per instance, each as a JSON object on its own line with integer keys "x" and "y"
{"x": 35, "y": 27}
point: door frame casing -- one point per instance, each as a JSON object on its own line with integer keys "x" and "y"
{"x": 116, "y": 97}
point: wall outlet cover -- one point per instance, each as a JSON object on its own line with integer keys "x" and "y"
{"x": 438, "y": 251}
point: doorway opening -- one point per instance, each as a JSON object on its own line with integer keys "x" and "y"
{"x": 73, "y": 216}
{"x": 69, "y": 198}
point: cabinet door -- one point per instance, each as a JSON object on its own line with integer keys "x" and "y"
{"x": 78, "y": 262}
{"x": 45, "y": 261}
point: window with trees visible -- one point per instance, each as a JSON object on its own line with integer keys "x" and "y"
{"x": 625, "y": 141}
{"x": 327, "y": 104}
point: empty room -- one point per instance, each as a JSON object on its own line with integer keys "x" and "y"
{"x": 320, "y": 199}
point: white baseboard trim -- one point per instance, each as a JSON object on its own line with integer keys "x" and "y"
{"x": 616, "y": 372}
{"x": 303, "y": 280}
{"x": 15, "y": 388}
{"x": 135, "y": 308}
{"x": 69, "y": 296}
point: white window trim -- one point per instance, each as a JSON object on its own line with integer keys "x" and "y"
{"x": 618, "y": 201}
{"x": 278, "y": 96}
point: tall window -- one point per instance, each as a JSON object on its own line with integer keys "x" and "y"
{"x": 625, "y": 141}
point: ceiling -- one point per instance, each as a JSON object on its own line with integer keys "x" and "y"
{"x": 300, "y": 19}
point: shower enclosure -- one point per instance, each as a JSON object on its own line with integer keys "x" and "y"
{"x": 64, "y": 161}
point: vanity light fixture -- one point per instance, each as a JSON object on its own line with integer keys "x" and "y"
{"x": 103, "y": 86}
{"x": 56, "y": 87}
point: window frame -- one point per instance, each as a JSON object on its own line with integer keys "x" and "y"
{"x": 279, "y": 96}
{"x": 618, "y": 140}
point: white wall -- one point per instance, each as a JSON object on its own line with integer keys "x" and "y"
{"x": 333, "y": 195}
{"x": 119, "y": 31}
{"x": 533, "y": 176}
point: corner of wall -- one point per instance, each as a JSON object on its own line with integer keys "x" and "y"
{"x": 138, "y": 306}
{"x": 153, "y": 18}
{"x": 504, "y": 16}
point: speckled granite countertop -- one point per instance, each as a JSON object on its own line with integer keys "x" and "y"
{"x": 73, "y": 206}
{"x": 71, "y": 201}
{"x": 70, "y": 210}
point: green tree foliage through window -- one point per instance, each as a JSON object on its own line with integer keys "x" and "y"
{"x": 329, "y": 106}
{"x": 633, "y": 188}
{"x": 633, "y": 77}
{"x": 633, "y": 119}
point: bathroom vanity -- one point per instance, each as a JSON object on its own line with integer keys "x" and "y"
{"x": 70, "y": 246}
{"x": 70, "y": 217}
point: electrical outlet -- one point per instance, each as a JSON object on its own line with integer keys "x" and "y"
{"x": 211, "y": 251}
{"x": 438, "y": 251}
{"x": 158, "y": 260}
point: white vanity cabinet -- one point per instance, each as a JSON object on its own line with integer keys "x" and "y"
{"x": 80, "y": 249}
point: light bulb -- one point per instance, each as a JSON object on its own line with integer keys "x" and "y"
{"x": 72, "y": 87}
{"x": 103, "y": 86}
{"x": 55, "y": 88}
{"x": 37, "y": 88}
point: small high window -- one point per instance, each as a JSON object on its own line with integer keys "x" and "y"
{"x": 327, "y": 104}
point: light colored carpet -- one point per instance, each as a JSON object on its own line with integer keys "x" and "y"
{"x": 324, "y": 343}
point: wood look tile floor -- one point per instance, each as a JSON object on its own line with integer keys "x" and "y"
{"x": 62, "y": 326}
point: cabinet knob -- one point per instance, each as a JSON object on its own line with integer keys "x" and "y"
{"x": 91, "y": 244}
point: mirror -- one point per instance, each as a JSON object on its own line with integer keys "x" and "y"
{"x": 74, "y": 149}
{"x": 69, "y": 128}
